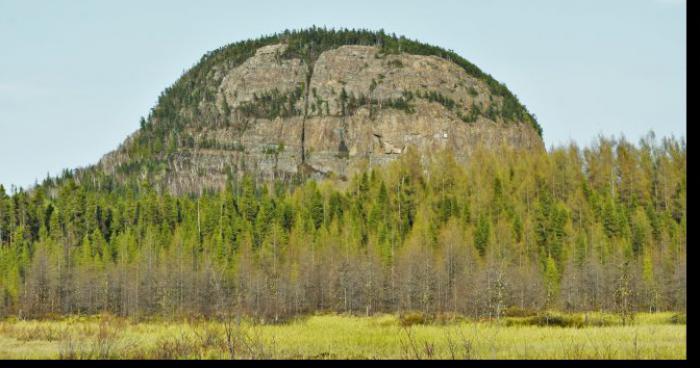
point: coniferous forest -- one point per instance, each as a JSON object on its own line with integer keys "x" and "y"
{"x": 601, "y": 228}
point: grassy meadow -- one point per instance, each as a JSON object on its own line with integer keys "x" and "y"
{"x": 553, "y": 336}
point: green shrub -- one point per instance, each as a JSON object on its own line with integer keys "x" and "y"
{"x": 412, "y": 318}
{"x": 556, "y": 319}
{"x": 514, "y": 311}
{"x": 548, "y": 319}
{"x": 448, "y": 318}
{"x": 678, "y": 319}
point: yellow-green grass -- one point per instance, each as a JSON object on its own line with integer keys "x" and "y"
{"x": 648, "y": 336}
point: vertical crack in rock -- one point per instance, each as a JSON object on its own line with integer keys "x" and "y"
{"x": 307, "y": 89}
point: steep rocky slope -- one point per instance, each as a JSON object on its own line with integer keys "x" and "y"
{"x": 317, "y": 103}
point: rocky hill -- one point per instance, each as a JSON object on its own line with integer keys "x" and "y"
{"x": 317, "y": 103}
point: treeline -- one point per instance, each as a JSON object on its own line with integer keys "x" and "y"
{"x": 599, "y": 228}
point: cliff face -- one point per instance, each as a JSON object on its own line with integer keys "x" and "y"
{"x": 276, "y": 116}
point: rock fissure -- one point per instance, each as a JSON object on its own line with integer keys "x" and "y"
{"x": 307, "y": 91}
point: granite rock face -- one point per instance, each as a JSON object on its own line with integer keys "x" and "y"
{"x": 344, "y": 110}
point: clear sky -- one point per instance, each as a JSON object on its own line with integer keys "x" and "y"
{"x": 75, "y": 76}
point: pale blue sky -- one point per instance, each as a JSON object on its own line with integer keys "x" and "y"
{"x": 75, "y": 76}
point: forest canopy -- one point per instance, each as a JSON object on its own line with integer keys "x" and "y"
{"x": 598, "y": 228}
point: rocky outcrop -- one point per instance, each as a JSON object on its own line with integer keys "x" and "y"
{"x": 262, "y": 73}
{"x": 351, "y": 107}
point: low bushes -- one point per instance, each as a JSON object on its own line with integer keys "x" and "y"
{"x": 413, "y": 318}
{"x": 514, "y": 311}
{"x": 418, "y": 318}
{"x": 555, "y": 319}
{"x": 678, "y": 319}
